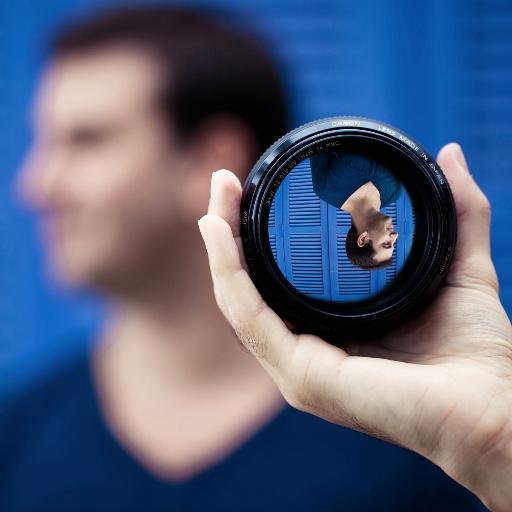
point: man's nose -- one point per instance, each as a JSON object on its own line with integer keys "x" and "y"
{"x": 40, "y": 181}
{"x": 394, "y": 235}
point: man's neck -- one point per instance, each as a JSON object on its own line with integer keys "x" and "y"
{"x": 174, "y": 329}
{"x": 362, "y": 205}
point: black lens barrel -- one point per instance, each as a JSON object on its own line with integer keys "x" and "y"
{"x": 432, "y": 247}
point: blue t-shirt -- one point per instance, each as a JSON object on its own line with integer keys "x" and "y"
{"x": 56, "y": 454}
{"x": 337, "y": 175}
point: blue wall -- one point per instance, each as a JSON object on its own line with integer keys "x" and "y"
{"x": 438, "y": 69}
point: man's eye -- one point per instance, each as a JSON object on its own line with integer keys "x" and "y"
{"x": 86, "y": 137}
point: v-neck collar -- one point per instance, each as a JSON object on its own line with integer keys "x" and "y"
{"x": 243, "y": 448}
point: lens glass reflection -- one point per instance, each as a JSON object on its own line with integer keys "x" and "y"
{"x": 341, "y": 226}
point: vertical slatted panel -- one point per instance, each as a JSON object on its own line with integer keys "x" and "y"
{"x": 390, "y": 271}
{"x": 272, "y": 228}
{"x": 308, "y": 245}
{"x": 405, "y": 211}
{"x": 306, "y": 257}
{"x": 304, "y": 203}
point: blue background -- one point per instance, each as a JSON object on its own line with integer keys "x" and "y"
{"x": 438, "y": 69}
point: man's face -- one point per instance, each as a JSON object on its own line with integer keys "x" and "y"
{"x": 383, "y": 237}
{"x": 98, "y": 170}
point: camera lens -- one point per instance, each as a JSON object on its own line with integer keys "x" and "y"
{"x": 348, "y": 226}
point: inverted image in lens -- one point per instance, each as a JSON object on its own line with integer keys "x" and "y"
{"x": 341, "y": 226}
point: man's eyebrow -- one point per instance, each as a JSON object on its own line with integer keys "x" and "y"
{"x": 88, "y": 129}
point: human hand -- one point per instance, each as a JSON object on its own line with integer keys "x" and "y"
{"x": 440, "y": 384}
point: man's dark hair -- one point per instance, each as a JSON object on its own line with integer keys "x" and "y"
{"x": 362, "y": 256}
{"x": 213, "y": 68}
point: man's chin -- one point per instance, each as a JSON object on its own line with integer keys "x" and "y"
{"x": 66, "y": 277}
{"x": 69, "y": 273}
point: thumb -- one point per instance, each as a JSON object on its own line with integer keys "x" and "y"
{"x": 472, "y": 265}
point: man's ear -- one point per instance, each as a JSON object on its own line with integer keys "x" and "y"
{"x": 221, "y": 142}
{"x": 363, "y": 239}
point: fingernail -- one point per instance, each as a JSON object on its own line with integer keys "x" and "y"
{"x": 200, "y": 224}
{"x": 460, "y": 158}
{"x": 214, "y": 181}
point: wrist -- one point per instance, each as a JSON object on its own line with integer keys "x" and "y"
{"x": 485, "y": 468}
{"x": 493, "y": 478}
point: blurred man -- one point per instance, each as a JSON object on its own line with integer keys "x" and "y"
{"x": 135, "y": 110}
